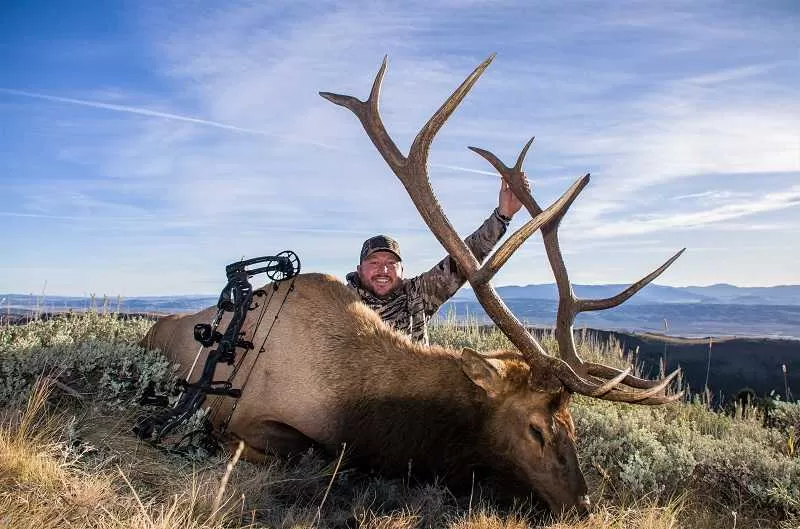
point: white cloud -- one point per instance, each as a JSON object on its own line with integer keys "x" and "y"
{"x": 757, "y": 204}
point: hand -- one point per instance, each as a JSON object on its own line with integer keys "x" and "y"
{"x": 508, "y": 203}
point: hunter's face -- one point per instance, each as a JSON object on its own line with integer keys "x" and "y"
{"x": 381, "y": 273}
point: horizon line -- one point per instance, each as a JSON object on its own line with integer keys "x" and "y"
{"x": 90, "y": 295}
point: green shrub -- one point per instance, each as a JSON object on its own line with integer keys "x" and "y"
{"x": 92, "y": 352}
{"x": 676, "y": 447}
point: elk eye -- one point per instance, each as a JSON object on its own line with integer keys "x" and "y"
{"x": 536, "y": 433}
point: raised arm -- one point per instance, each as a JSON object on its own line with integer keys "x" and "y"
{"x": 441, "y": 282}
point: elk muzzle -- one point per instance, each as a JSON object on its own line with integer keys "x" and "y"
{"x": 579, "y": 504}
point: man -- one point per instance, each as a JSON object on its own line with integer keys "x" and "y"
{"x": 407, "y": 304}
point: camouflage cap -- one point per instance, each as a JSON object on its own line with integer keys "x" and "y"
{"x": 380, "y": 243}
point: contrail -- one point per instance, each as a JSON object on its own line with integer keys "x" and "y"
{"x": 550, "y": 180}
{"x": 74, "y": 217}
{"x": 163, "y": 115}
{"x": 209, "y": 123}
{"x": 464, "y": 169}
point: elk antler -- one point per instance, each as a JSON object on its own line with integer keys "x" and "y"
{"x": 569, "y": 306}
{"x": 412, "y": 170}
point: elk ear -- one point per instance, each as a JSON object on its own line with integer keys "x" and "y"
{"x": 481, "y": 371}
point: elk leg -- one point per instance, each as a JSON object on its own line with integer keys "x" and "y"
{"x": 284, "y": 440}
{"x": 274, "y": 438}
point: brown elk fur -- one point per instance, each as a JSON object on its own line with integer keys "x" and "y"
{"x": 333, "y": 372}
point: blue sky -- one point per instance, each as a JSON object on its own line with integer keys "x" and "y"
{"x": 144, "y": 146}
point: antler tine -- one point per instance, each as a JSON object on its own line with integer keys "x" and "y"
{"x": 369, "y": 115}
{"x": 585, "y": 305}
{"x": 611, "y": 384}
{"x": 649, "y": 396}
{"x": 605, "y": 372}
{"x": 514, "y": 176}
{"x": 522, "y": 154}
{"x": 424, "y": 139}
{"x": 609, "y": 390}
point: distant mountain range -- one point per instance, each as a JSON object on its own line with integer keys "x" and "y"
{"x": 655, "y": 294}
{"x": 651, "y": 294}
{"x": 716, "y": 310}
{"x": 159, "y": 304}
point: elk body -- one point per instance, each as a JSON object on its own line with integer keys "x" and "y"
{"x": 331, "y": 372}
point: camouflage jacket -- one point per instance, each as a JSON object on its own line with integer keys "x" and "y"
{"x": 408, "y": 308}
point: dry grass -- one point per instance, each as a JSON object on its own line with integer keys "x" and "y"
{"x": 640, "y": 514}
{"x": 44, "y": 485}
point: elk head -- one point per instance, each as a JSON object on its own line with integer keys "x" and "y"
{"x": 529, "y": 390}
{"x": 530, "y": 430}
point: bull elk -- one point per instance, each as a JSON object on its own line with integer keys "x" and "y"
{"x": 333, "y": 372}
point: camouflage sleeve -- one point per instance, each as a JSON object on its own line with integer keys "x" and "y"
{"x": 439, "y": 283}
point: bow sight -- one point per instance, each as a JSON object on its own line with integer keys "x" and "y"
{"x": 236, "y": 297}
